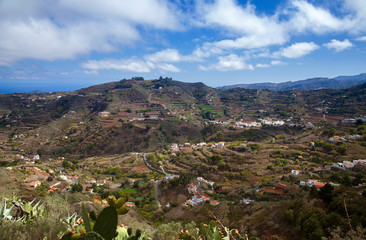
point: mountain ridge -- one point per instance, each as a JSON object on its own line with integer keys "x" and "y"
{"x": 340, "y": 82}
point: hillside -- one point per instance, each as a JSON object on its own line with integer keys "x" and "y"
{"x": 185, "y": 153}
{"x": 154, "y": 113}
{"x": 341, "y": 82}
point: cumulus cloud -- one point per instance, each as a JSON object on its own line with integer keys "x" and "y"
{"x": 296, "y": 50}
{"x": 160, "y": 60}
{"x": 363, "y": 38}
{"x": 278, "y": 63}
{"x": 65, "y": 29}
{"x": 126, "y": 65}
{"x": 229, "y": 63}
{"x": 304, "y": 16}
{"x": 272, "y": 63}
{"x": 244, "y": 28}
{"x": 253, "y": 30}
{"x": 358, "y": 10}
{"x": 262, "y": 65}
{"x": 339, "y": 45}
{"x": 129, "y": 65}
{"x": 170, "y": 55}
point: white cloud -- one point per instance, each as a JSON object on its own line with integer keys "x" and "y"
{"x": 155, "y": 13}
{"x": 166, "y": 67}
{"x": 229, "y": 63}
{"x": 253, "y": 30}
{"x": 278, "y": 63}
{"x": 128, "y": 65}
{"x": 339, "y": 45}
{"x": 170, "y": 55}
{"x": 244, "y": 28}
{"x": 358, "y": 10}
{"x": 65, "y": 29}
{"x": 272, "y": 63}
{"x": 296, "y": 50}
{"x": 262, "y": 65}
{"x": 361, "y": 39}
{"x": 304, "y": 16}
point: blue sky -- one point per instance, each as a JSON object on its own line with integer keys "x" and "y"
{"x": 55, "y": 45}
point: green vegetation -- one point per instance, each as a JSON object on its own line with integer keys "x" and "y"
{"x": 81, "y": 150}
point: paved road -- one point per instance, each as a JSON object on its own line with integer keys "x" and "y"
{"x": 200, "y": 188}
{"x": 117, "y": 161}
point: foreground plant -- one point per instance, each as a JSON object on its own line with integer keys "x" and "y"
{"x": 212, "y": 232}
{"x": 101, "y": 227}
{"x": 19, "y": 211}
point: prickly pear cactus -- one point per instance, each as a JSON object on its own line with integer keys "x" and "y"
{"x": 93, "y": 236}
{"x": 66, "y": 236}
{"x": 122, "y": 234}
{"x": 106, "y": 223}
{"x": 84, "y": 214}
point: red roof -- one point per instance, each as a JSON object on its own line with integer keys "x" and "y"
{"x": 205, "y": 197}
{"x": 281, "y": 186}
{"x": 130, "y": 204}
{"x": 214, "y": 202}
{"x": 319, "y": 184}
{"x": 272, "y": 190}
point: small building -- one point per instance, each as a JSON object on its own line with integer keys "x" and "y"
{"x": 214, "y": 202}
{"x": 319, "y": 184}
{"x": 130, "y": 204}
{"x": 337, "y": 139}
{"x": 201, "y": 144}
{"x": 246, "y": 201}
{"x": 311, "y": 182}
{"x": 186, "y": 145}
{"x": 104, "y": 114}
{"x": 349, "y": 121}
{"x": 339, "y": 166}
{"x": 348, "y": 164}
{"x": 295, "y": 172}
{"x": 302, "y": 183}
{"x": 280, "y": 186}
{"x": 318, "y": 169}
{"x": 220, "y": 145}
{"x": 205, "y": 197}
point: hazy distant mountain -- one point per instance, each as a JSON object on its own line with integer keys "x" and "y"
{"x": 340, "y": 82}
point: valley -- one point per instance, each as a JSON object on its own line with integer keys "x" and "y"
{"x": 271, "y": 164}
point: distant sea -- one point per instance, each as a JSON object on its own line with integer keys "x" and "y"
{"x": 25, "y": 86}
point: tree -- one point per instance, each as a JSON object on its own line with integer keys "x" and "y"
{"x": 313, "y": 192}
{"x": 289, "y": 214}
{"x": 310, "y": 222}
{"x": 76, "y": 188}
{"x": 333, "y": 219}
{"x": 217, "y": 157}
{"x": 327, "y": 193}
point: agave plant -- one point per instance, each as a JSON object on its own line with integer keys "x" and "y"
{"x": 72, "y": 220}
{"x": 33, "y": 211}
{"x": 5, "y": 212}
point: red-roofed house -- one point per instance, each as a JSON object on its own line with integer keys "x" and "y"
{"x": 130, "y": 204}
{"x": 319, "y": 184}
{"x": 280, "y": 186}
{"x": 205, "y": 197}
{"x": 214, "y": 202}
